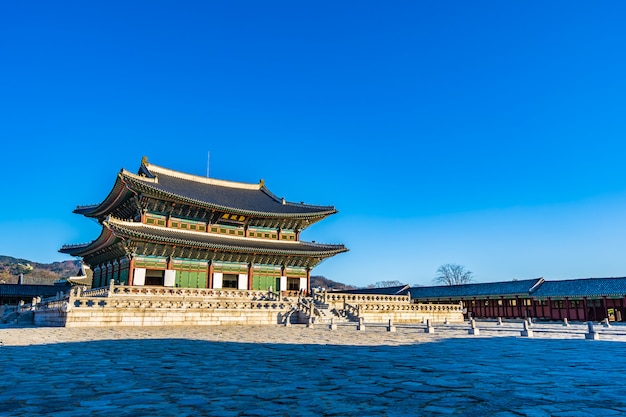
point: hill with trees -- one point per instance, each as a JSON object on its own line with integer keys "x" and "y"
{"x": 34, "y": 272}
{"x": 329, "y": 284}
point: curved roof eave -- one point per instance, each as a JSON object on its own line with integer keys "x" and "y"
{"x": 127, "y": 230}
{"x": 106, "y": 238}
{"x": 118, "y": 193}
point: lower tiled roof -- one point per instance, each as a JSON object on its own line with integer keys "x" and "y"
{"x": 399, "y": 290}
{"x": 588, "y": 287}
{"x": 509, "y": 288}
{"x": 17, "y": 290}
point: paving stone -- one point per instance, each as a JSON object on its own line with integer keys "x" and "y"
{"x": 289, "y": 371}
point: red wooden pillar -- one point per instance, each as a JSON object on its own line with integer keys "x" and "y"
{"x": 209, "y": 278}
{"x": 605, "y": 312}
{"x": 308, "y": 280}
{"x": 250, "y": 269}
{"x": 585, "y": 312}
{"x": 131, "y": 271}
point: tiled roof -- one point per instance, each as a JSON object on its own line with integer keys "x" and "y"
{"x": 228, "y": 195}
{"x": 16, "y": 290}
{"x": 398, "y": 290}
{"x": 508, "y": 288}
{"x": 587, "y": 287}
{"x": 170, "y": 236}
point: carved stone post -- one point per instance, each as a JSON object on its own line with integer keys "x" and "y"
{"x": 333, "y": 325}
{"x": 361, "y": 325}
{"x": 429, "y": 327}
{"x": 592, "y": 335}
{"x": 473, "y": 330}
{"x": 526, "y": 332}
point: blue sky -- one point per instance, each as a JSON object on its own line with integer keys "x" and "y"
{"x": 489, "y": 134}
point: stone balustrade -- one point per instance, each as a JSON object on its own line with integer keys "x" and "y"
{"x": 120, "y": 305}
{"x": 335, "y": 299}
{"x": 405, "y": 312}
{"x": 147, "y": 291}
{"x": 95, "y": 292}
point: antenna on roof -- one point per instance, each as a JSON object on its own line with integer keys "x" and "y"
{"x": 208, "y": 159}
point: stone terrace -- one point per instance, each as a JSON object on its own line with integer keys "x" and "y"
{"x": 295, "y": 370}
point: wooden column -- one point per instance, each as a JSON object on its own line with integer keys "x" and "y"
{"x": 250, "y": 269}
{"x": 308, "y": 280}
{"x": 131, "y": 271}
{"x": 209, "y": 278}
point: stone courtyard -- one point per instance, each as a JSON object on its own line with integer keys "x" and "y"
{"x": 302, "y": 371}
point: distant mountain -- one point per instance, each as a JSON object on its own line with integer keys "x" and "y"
{"x": 329, "y": 284}
{"x": 34, "y": 272}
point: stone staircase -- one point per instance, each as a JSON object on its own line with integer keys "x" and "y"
{"x": 326, "y": 314}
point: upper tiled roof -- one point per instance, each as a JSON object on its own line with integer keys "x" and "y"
{"x": 588, "y": 287}
{"x": 227, "y": 195}
{"x": 252, "y": 200}
{"x": 509, "y": 288}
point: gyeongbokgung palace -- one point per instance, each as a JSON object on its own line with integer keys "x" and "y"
{"x": 166, "y": 228}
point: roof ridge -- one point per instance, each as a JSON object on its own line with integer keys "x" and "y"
{"x": 155, "y": 170}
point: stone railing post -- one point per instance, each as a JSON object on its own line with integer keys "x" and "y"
{"x": 592, "y": 334}
{"x": 499, "y": 321}
{"x": 526, "y": 332}
{"x": 474, "y": 330}
{"x": 565, "y": 322}
{"x": 333, "y": 325}
{"x": 429, "y": 327}
{"x": 361, "y": 325}
{"x": 606, "y": 323}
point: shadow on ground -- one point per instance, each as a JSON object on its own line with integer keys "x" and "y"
{"x": 491, "y": 376}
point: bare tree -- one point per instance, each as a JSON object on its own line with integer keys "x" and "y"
{"x": 453, "y": 274}
{"x": 385, "y": 284}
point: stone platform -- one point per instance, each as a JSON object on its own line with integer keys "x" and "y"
{"x": 119, "y": 305}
